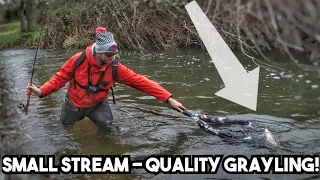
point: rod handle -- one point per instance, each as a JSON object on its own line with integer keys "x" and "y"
{"x": 27, "y": 105}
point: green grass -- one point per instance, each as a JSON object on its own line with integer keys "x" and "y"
{"x": 10, "y": 36}
{"x": 10, "y": 27}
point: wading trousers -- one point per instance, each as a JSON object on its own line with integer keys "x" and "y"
{"x": 100, "y": 114}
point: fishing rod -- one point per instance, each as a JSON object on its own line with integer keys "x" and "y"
{"x": 233, "y": 130}
{"x": 34, "y": 63}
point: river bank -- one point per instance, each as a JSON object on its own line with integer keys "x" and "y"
{"x": 252, "y": 27}
{"x": 11, "y": 37}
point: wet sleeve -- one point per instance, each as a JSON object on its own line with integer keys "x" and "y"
{"x": 128, "y": 77}
{"x": 60, "y": 78}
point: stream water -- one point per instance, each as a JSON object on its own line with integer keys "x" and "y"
{"x": 288, "y": 105}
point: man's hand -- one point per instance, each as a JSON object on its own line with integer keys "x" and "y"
{"x": 33, "y": 90}
{"x": 176, "y": 105}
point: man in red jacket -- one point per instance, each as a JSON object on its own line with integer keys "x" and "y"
{"x": 91, "y": 80}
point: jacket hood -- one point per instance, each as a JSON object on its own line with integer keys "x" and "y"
{"x": 92, "y": 61}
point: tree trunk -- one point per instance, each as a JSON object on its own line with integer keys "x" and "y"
{"x": 22, "y": 16}
{"x": 2, "y": 14}
{"x": 31, "y": 10}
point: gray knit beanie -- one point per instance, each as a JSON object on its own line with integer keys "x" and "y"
{"x": 105, "y": 42}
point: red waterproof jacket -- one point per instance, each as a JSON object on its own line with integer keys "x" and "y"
{"x": 81, "y": 99}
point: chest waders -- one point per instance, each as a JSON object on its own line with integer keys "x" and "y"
{"x": 90, "y": 88}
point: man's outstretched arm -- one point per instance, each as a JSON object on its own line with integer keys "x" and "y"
{"x": 128, "y": 77}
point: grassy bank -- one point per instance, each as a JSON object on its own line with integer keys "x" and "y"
{"x": 10, "y": 36}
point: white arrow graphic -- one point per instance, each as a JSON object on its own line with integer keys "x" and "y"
{"x": 241, "y": 87}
